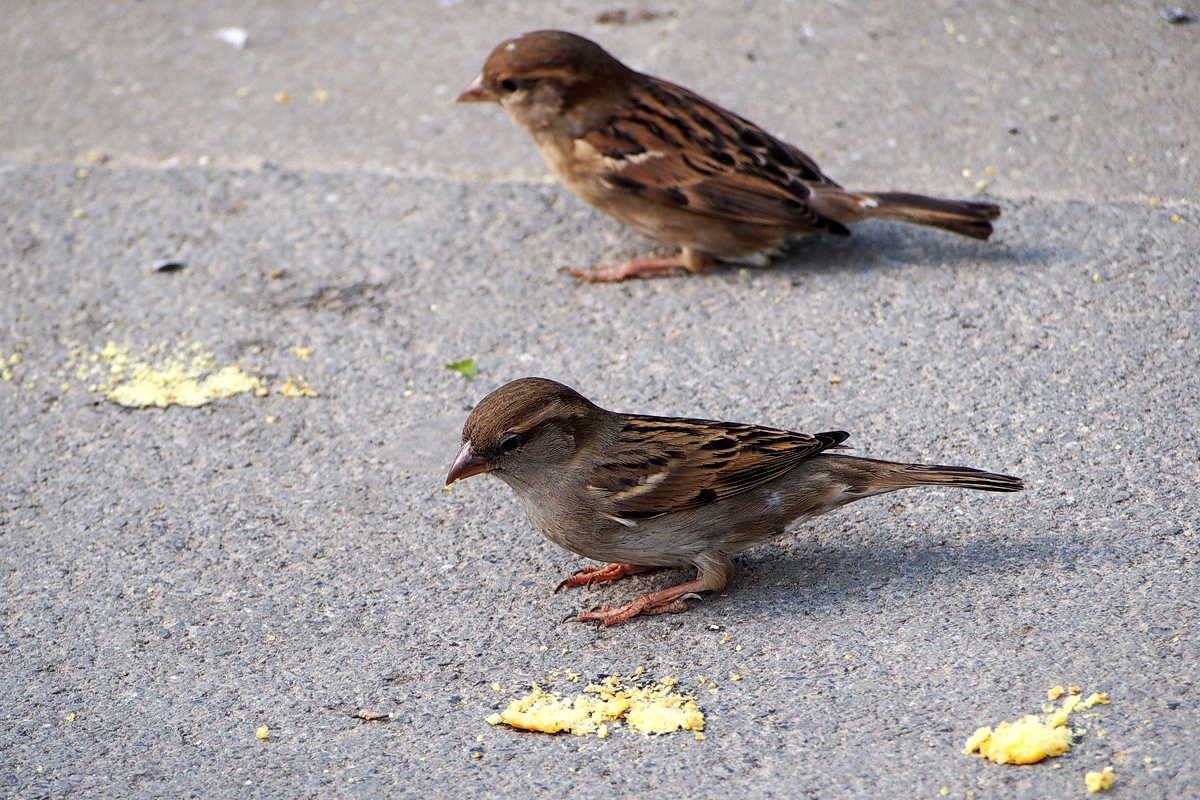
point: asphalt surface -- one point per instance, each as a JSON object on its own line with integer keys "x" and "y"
{"x": 176, "y": 578}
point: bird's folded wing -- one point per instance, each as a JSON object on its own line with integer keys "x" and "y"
{"x": 672, "y": 146}
{"x": 664, "y": 465}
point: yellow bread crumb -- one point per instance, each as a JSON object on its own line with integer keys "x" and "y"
{"x": 1025, "y": 742}
{"x": 174, "y": 384}
{"x": 649, "y": 709}
{"x": 183, "y": 376}
{"x": 1032, "y": 739}
{"x": 296, "y": 387}
{"x": 263, "y": 732}
{"x": 1100, "y": 781}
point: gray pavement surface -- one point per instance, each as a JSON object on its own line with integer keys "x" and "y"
{"x": 174, "y": 579}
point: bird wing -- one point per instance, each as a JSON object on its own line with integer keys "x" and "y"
{"x": 664, "y": 464}
{"x": 672, "y": 146}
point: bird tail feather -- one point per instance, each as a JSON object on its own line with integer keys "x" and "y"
{"x": 865, "y": 477}
{"x": 958, "y": 216}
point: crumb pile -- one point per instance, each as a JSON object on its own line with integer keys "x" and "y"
{"x": 653, "y": 708}
{"x": 1031, "y": 739}
{"x": 183, "y": 374}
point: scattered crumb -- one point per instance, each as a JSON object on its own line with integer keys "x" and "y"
{"x": 296, "y": 387}
{"x": 649, "y": 709}
{"x": 263, "y": 732}
{"x": 1055, "y": 693}
{"x": 619, "y": 16}
{"x": 1100, "y": 781}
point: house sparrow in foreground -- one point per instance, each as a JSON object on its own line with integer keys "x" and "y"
{"x": 676, "y": 167}
{"x": 643, "y": 493}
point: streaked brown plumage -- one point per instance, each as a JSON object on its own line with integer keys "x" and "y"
{"x": 677, "y": 167}
{"x": 642, "y": 492}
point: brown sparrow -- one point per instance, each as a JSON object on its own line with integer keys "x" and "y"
{"x": 677, "y": 167}
{"x": 642, "y": 493}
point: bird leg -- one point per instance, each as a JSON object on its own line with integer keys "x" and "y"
{"x": 688, "y": 259}
{"x": 604, "y": 574}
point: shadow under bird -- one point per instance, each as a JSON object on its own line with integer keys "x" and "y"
{"x": 641, "y": 492}
{"x": 677, "y": 167}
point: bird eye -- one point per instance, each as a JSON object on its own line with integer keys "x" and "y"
{"x": 511, "y": 441}
{"x": 508, "y": 85}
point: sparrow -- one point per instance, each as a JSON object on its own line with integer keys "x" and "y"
{"x": 677, "y": 167}
{"x": 640, "y": 493}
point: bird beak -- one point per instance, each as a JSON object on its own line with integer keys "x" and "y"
{"x": 466, "y": 465}
{"x": 478, "y": 93}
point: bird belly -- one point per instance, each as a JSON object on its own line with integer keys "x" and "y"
{"x": 582, "y": 170}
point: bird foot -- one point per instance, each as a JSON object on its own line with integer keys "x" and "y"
{"x": 611, "y": 615}
{"x": 666, "y": 601}
{"x": 604, "y": 574}
{"x": 634, "y": 268}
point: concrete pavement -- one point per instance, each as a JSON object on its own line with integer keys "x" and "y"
{"x": 174, "y": 579}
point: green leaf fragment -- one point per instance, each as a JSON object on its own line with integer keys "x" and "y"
{"x": 466, "y": 367}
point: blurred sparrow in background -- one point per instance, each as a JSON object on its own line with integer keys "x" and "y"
{"x": 677, "y": 167}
